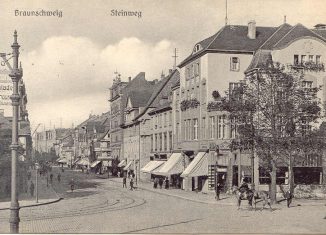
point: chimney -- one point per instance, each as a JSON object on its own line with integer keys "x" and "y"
{"x": 252, "y": 29}
{"x": 129, "y": 79}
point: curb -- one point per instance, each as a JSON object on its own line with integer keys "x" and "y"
{"x": 33, "y": 205}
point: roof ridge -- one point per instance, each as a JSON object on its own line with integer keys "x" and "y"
{"x": 279, "y": 27}
{"x": 293, "y": 27}
{"x": 218, "y": 33}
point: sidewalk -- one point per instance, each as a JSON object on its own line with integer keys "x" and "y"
{"x": 46, "y": 195}
{"x": 209, "y": 198}
{"x": 199, "y": 197}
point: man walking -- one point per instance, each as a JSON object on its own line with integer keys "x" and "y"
{"x": 59, "y": 177}
{"x": 31, "y": 189}
{"x": 131, "y": 183}
{"x": 124, "y": 182}
{"x": 51, "y": 178}
{"x": 72, "y": 185}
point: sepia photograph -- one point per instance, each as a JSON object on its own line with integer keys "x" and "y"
{"x": 163, "y": 117}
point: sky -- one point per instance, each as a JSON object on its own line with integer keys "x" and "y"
{"x": 69, "y": 61}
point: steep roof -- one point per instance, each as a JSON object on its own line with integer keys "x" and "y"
{"x": 260, "y": 58}
{"x": 232, "y": 38}
{"x": 162, "y": 88}
{"x": 320, "y": 32}
{"x": 279, "y": 33}
{"x": 295, "y": 32}
{"x": 139, "y": 98}
{"x": 139, "y": 83}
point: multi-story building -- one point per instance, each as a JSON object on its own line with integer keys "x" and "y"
{"x": 218, "y": 64}
{"x": 135, "y": 126}
{"x": 116, "y": 117}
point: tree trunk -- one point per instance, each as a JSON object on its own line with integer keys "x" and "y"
{"x": 273, "y": 183}
{"x": 291, "y": 175}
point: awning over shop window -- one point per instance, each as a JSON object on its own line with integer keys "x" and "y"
{"x": 122, "y": 163}
{"x": 76, "y": 161}
{"x": 83, "y": 162}
{"x": 128, "y": 166}
{"x": 62, "y": 160}
{"x": 198, "y": 166}
{"x": 174, "y": 165}
{"x": 151, "y": 166}
{"x": 94, "y": 164}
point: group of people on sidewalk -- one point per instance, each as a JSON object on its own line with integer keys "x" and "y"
{"x": 131, "y": 181}
{"x": 160, "y": 181}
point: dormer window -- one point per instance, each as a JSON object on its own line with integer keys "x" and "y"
{"x": 197, "y": 48}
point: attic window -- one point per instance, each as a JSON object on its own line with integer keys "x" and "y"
{"x": 197, "y": 48}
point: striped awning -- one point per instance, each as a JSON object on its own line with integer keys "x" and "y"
{"x": 128, "y": 166}
{"x": 95, "y": 163}
{"x": 84, "y": 162}
{"x": 151, "y": 166}
{"x": 198, "y": 166}
{"x": 174, "y": 165}
{"x": 122, "y": 163}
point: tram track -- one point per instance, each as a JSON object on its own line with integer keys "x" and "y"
{"x": 121, "y": 201}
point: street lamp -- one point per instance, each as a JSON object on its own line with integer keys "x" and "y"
{"x": 15, "y": 74}
{"x": 37, "y": 166}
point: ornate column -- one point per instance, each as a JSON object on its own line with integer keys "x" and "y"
{"x": 15, "y": 75}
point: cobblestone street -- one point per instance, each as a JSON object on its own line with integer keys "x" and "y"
{"x": 103, "y": 206}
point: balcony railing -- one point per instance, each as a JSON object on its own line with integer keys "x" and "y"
{"x": 309, "y": 66}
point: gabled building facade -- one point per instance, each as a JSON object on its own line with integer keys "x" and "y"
{"x": 218, "y": 64}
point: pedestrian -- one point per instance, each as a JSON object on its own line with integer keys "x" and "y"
{"x": 29, "y": 175}
{"x": 160, "y": 182}
{"x": 155, "y": 182}
{"x": 59, "y": 177}
{"x": 7, "y": 189}
{"x": 31, "y": 189}
{"x": 72, "y": 185}
{"x": 167, "y": 183}
{"x": 131, "y": 183}
{"x": 217, "y": 191}
{"x": 51, "y": 178}
{"x": 124, "y": 182}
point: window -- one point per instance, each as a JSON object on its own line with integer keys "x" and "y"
{"x": 152, "y": 144}
{"x": 234, "y": 64}
{"x": 197, "y": 48}
{"x": 296, "y": 59}
{"x": 156, "y": 143}
{"x": 165, "y": 120}
{"x": 160, "y": 140}
{"x": 196, "y": 69}
{"x": 212, "y": 127}
{"x": 170, "y": 140}
{"x": 185, "y": 129}
{"x": 305, "y": 127}
{"x": 318, "y": 59}
{"x": 221, "y": 127}
{"x": 233, "y": 127}
{"x": 311, "y": 58}
{"x": 307, "y": 84}
{"x": 165, "y": 142}
{"x": 303, "y": 58}
{"x": 195, "y": 133}
{"x": 170, "y": 118}
{"x": 203, "y": 126}
{"x": 177, "y": 132}
{"x": 189, "y": 129}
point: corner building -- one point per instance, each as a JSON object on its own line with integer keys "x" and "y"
{"x": 216, "y": 65}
